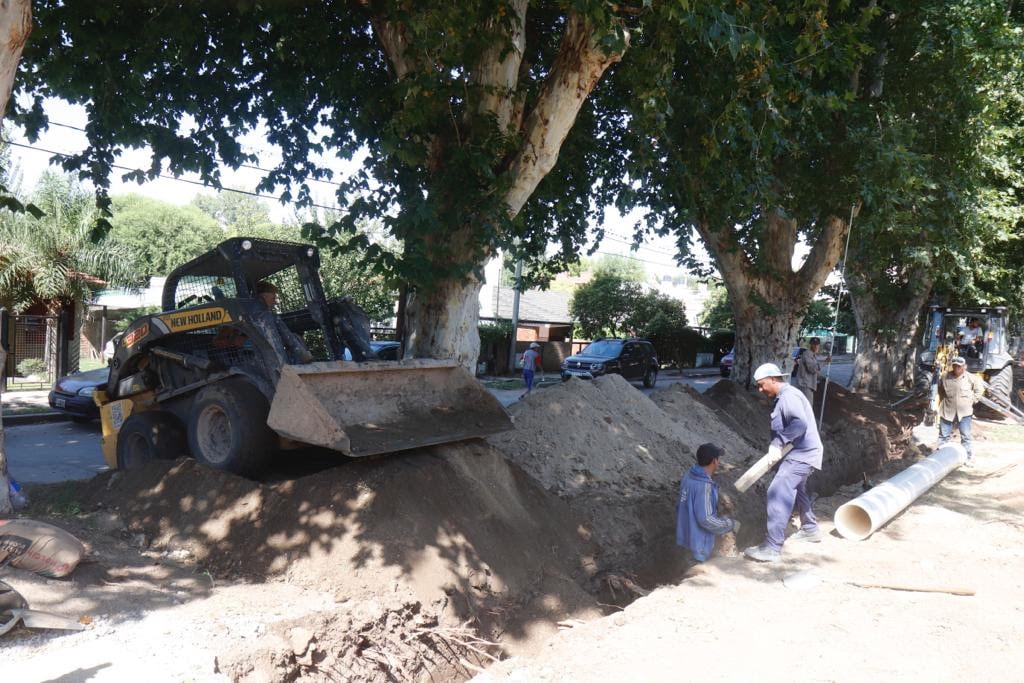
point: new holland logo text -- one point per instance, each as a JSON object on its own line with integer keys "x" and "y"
{"x": 207, "y": 317}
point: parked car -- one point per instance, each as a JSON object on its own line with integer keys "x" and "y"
{"x": 385, "y": 350}
{"x": 72, "y": 394}
{"x": 725, "y": 365}
{"x": 634, "y": 359}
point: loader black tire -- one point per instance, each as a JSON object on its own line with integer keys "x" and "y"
{"x": 227, "y": 428}
{"x": 1001, "y": 386}
{"x": 150, "y": 436}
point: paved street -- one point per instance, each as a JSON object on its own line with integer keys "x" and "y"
{"x": 57, "y": 451}
{"x": 61, "y": 451}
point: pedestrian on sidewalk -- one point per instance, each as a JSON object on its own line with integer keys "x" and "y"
{"x": 806, "y": 368}
{"x": 697, "y": 521}
{"x": 959, "y": 390}
{"x": 531, "y": 362}
{"x": 792, "y": 424}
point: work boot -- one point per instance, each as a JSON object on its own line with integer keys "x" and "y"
{"x": 762, "y": 553}
{"x": 812, "y": 536}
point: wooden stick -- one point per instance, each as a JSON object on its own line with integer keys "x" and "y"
{"x": 914, "y": 589}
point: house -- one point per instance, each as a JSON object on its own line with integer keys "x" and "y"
{"x": 543, "y": 318}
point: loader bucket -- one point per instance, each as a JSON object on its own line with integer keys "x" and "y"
{"x": 380, "y": 407}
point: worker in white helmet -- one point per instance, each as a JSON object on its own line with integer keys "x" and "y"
{"x": 792, "y": 424}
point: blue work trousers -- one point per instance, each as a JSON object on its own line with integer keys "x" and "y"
{"x": 528, "y": 378}
{"x": 789, "y": 487}
{"x": 963, "y": 425}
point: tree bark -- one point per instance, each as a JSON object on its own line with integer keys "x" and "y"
{"x": 442, "y": 322}
{"x": 15, "y": 25}
{"x": 887, "y": 329}
{"x": 769, "y": 297}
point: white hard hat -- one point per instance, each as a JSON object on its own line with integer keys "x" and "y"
{"x": 767, "y": 370}
{"x": 534, "y": 345}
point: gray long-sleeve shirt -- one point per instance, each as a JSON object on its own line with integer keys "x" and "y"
{"x": 810, "y": 366}
{"x": 793, "y": 422}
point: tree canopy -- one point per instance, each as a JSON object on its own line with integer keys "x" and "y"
{"x": 452, "y": 114}
{"x": 162, "y": 236}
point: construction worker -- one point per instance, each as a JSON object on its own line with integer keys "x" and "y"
{"x": 959, "y": 390}
{"x": 972, "y": 338}
{"x": 806, "y": 368}
{"x": 697, "y": 520}
{"x": 793, "y": 425}
{"x": 232, "y": 337}
{"x": 531, "y": 363}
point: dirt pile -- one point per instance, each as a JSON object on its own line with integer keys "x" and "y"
{"x": 454, "y": 533}
{"x": 615, "y": 456}
{"x": 698, "y": 422}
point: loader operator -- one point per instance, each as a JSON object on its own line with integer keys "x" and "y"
{"x": 972, "y": 339}
{"x": 266, "y": 293}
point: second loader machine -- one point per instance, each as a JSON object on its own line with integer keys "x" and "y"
{"x": 981, "y": 337}
{"x": 221, "y": 376}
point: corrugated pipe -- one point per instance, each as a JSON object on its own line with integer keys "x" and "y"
{"x": 862, "y": 516}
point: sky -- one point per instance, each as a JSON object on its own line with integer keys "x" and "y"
{"x": 656, "y": 255}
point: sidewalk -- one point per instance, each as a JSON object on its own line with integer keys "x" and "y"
{"x": 26, "y": 407}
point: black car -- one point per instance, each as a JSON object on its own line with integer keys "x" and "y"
{"x": 72, "y": 394}
{"x": 634, "y": 359}
{"x": 385, "y": 350}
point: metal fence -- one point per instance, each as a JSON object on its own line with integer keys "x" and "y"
{"x": 34, "y": 354}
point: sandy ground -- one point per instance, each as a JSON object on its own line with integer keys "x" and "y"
{"x": 737, "y": 621}
{"x": 372, "y": 571}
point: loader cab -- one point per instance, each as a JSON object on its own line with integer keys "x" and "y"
{"x": 979, "y": 335}
{"x": 234, "y": 268}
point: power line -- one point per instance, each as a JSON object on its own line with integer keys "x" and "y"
{"x": 166, "y": 177}
{"x": 249, "y": 166}
{"x": 616, "y": 238}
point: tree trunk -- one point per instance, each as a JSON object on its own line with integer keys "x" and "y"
{"x": 15, "y": 25}
{"x": 768, "y": 296}
{"x": 5, "y": 486}
{"x": 887, "y": 329}
{"x": 442, "y": 322}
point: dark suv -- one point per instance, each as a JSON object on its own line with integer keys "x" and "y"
{"x": 634, "y": 359}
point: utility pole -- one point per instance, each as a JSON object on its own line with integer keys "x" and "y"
{"x": 515, "y": 315}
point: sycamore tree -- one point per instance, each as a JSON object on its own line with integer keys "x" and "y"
{"x": 745, "y": 139}
{"x": 452, "y": 114}
{"x": 940, "y": 221}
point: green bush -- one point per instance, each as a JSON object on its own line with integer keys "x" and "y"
{"x": 31, "y": 366}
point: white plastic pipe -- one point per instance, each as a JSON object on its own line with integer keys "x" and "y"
{"x": 862, "y": 516}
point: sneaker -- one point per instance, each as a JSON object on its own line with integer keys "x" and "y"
{"x": 969, "y": 462}
{"x": 812, "y": 536}
{"x": 762, "y": 553}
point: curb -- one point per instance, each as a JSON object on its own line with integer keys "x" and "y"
{"x": 34, "y": 418}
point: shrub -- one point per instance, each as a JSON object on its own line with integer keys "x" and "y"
{"x": 31, "y": 366}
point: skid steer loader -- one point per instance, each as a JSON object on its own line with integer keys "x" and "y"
{"x": 220, "y": 375}
{"x": 980, "y": 336}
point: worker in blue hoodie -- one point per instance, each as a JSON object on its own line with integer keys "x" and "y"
{"x": 697, "y": 520}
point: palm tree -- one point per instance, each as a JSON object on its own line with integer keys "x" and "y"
{"x": 54, "y": 260}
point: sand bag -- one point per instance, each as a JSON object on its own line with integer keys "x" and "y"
{"x": 39, "y": 547}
